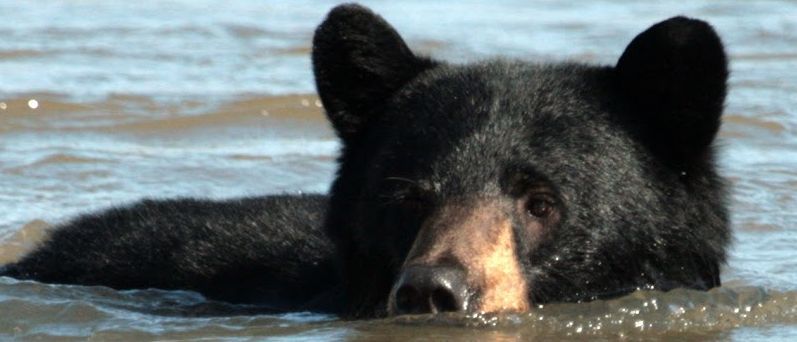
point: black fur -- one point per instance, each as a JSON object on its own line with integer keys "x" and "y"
{"x": 370, "y": 61}
{"x": 627, "y": 150}
{"x": 227, "y": 250}
{"x": 674, "y": 75}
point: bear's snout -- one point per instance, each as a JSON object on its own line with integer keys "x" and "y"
{"x": 464, "y": 259}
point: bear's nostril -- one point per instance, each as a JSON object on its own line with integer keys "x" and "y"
{"x": 442, "y": 300}
{"x": 425, "y": 289}
{"x": 409, "y": 301}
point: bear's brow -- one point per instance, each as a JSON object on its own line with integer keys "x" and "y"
{"x": 411, "y": 186}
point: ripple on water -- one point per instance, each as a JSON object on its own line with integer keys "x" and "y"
{"x": 176, "y": 99}
{"x": 41, "y": 310}
{"x": 642, "y": 313}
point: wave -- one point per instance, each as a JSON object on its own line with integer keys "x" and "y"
{"x": 82, "y": 312}
{"x": 120, "y": 113}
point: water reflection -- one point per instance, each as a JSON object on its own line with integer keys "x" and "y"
{"x": 165, "y": 99}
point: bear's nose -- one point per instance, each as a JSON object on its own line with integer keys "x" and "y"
{"x": 429, "y": 289}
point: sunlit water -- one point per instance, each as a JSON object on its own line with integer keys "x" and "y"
{"x": 214, "y": 99}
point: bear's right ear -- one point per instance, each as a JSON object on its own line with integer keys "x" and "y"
{"x": 359, "y": 61}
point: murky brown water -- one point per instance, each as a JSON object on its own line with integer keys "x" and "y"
{"x": 103, "y": 103}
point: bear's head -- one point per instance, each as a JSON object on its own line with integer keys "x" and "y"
{"x": 500, "y": 185}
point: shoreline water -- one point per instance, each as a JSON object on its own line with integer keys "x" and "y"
{"x": 210, "y": 99}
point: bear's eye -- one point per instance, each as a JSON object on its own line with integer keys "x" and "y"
{"x": 413, "y": 204}
{"x": 410, "y": 200}
{"x": 540, "y": 206}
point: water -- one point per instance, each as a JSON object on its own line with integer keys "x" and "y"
{"x": 215, "y": 99}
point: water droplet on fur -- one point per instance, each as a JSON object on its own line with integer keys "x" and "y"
{"x": 33, "y": 104}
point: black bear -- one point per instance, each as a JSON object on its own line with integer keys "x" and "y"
{"x": 485, "y": 187}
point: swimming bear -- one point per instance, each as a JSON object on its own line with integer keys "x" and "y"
{"x": 484, "y": 187}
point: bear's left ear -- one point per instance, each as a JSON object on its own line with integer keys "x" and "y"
{"x": 674, "y": 75}
{"x": 359, "y": 61}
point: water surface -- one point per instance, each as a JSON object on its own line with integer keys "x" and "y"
{"x": 103, "y": 103}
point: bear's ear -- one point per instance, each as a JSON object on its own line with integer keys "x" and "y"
{"x": 359, "y": 61}
{"x": 674, "y": 75}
